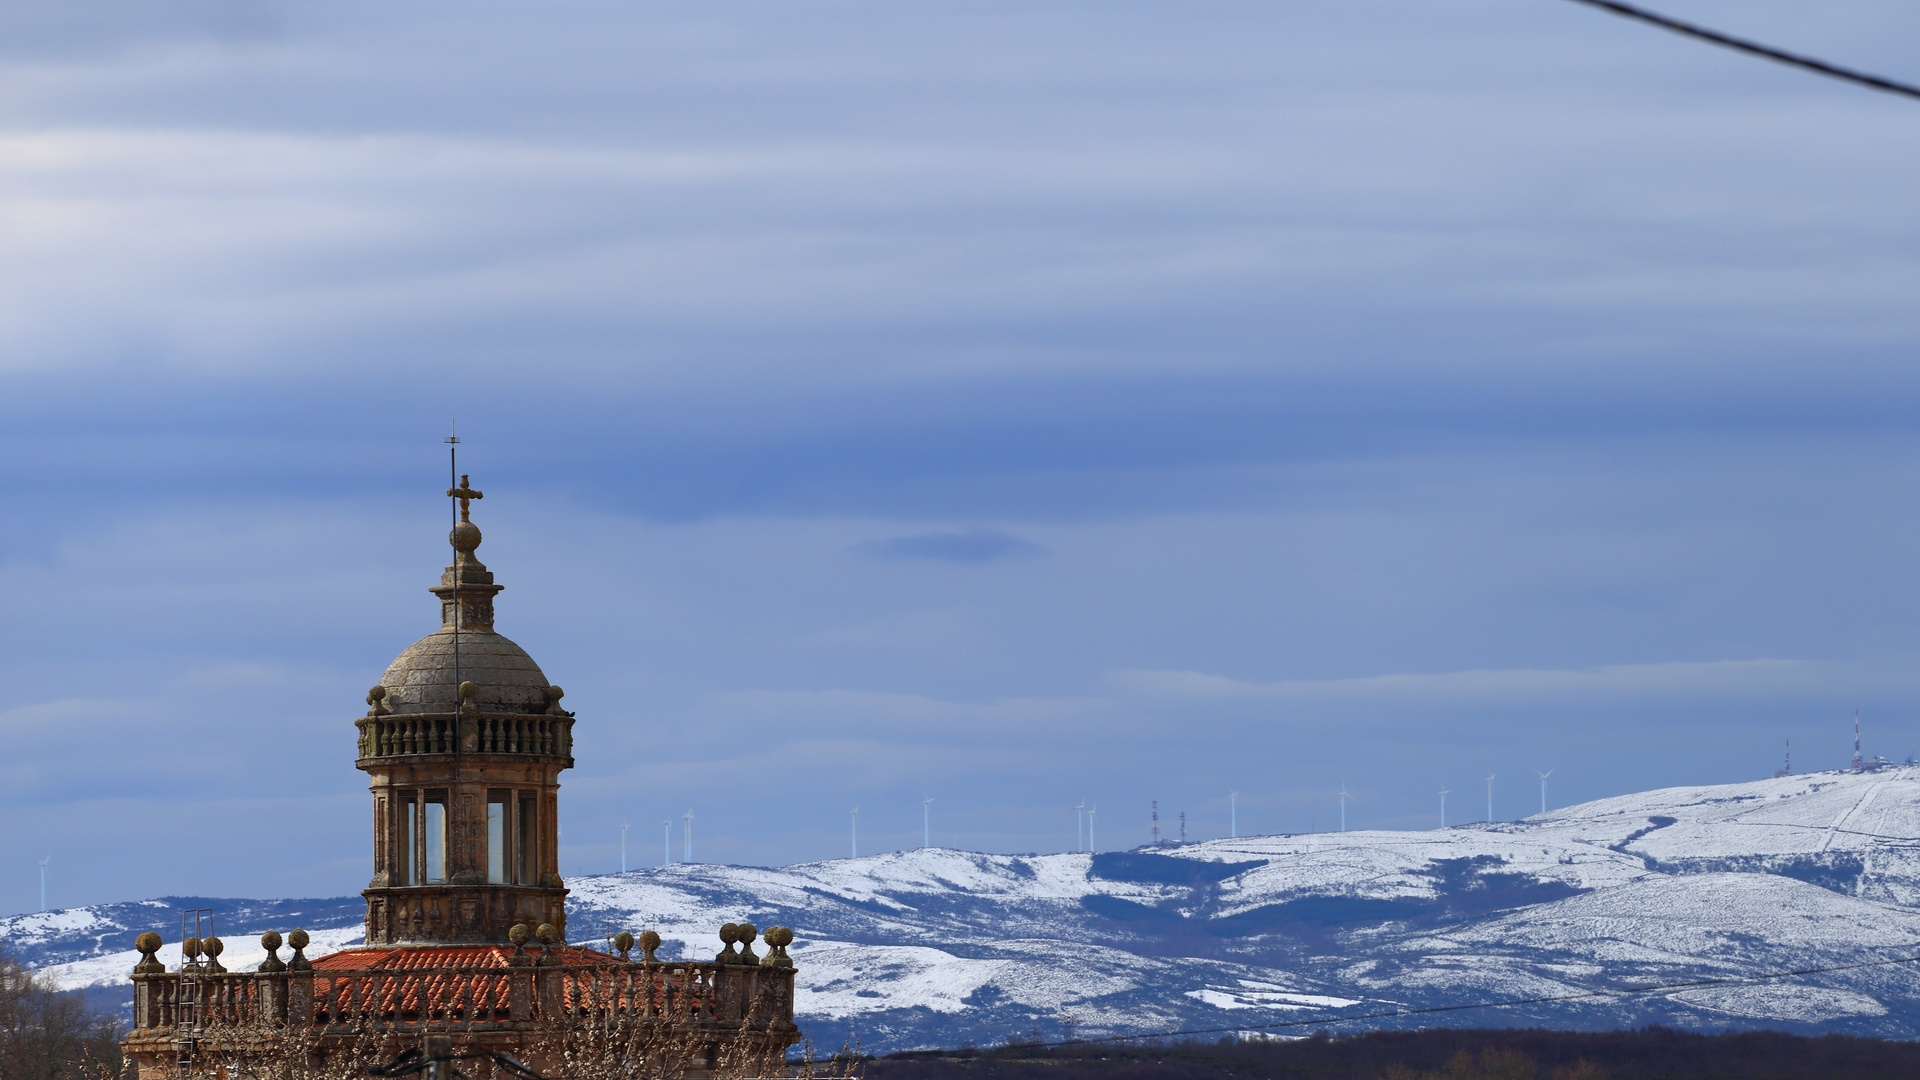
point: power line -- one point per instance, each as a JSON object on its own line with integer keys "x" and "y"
{"x": 1695, "y": 984}
{"x": 1754, "y": 48}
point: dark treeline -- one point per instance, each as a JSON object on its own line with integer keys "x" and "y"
{"x": 1442, "y": 1054}
{"x": 46, "y": 1034}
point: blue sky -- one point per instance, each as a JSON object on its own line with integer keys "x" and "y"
{"x": 1012, "y": 402}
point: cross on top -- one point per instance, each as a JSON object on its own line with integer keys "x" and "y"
{"x": 464, "y": 493}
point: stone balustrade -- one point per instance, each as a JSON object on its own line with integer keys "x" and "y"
{"x": 540, "y": 987}
{"x": 402, "y": 734}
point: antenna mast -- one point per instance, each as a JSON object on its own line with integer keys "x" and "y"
{"x": 926, "y": 822}
{"x": 1183, "y": 826}
{"x": 1233, "y": 815}
{"x": 856, "y": 831}
{"x": 1857, "y": 763}
{"x": 1443, "y": 805}
{"x": 1156, "y": 821}
{"x": 1489, "y": 798}
{"x": 459, "y": 573}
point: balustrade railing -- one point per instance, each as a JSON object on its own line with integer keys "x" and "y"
{"x": 705, "y": 995}
{"x": 399, "y": 734}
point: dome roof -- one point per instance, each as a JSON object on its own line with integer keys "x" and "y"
{"x": 422, "y": 678}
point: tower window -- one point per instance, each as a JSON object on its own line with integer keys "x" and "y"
{"x": 497, "y": 848}
{"x": 529, "y": 845}
{"x": 409, "y": 839}
{"x": 434, "y": 826}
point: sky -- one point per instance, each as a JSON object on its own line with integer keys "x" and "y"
{"x": 1013, "y": 404}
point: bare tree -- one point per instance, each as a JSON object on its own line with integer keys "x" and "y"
{"x": 50, "y": 1034}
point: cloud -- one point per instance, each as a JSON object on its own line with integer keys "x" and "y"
{"x": 962, "y": 546}
{"x": 1390, "y": 389}
{"x": 1717, "y": 680}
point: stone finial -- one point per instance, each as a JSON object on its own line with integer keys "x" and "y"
{"x": 377, "y": 702}
{"x": 467, "y": 691}
{"x": 519, "y": 935}
{"x": 729, "y": 934}
{"x": 547, "y": 933}
{"x": 649, "y": 943}
{"x": 213, "y": 947}
{"x": 270, "y": 941}
{"x": 297, "y": 941}
{"x": 554, "y": 694}
{"x": 148, "y": 944}
{"x": 190, "y": 954}
{"x": 777, "y": 939}
{"x": 623, "y": 944}
{"x": 747, "y": 933}
{"x": 549, "y": 936}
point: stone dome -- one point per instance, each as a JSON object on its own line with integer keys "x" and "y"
{"x": 422, "y": 679}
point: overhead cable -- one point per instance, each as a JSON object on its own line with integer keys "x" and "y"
{"x": 1818, "y": 66}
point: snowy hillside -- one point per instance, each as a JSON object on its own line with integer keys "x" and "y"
{"x": 943, "y": 948}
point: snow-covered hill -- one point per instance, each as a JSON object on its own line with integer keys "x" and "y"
{"x": 944, "y": 948}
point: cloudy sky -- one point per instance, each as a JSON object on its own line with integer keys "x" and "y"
{"x": 1013, "y": 403}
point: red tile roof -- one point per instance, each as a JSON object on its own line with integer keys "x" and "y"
{"x": 414, "y": 957}
{"x": 415, "y": 981}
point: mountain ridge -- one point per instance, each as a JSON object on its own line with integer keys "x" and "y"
{"x": 937, "y": 947}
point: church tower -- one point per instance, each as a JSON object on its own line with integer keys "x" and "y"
{"x": 463, "y": 742}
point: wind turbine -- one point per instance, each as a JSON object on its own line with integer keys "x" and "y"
{"x": 855, "y": 816}
{"x": 43, "y": 882}
{"x": 926, "y": 822}
{"x": 623, "y": 847}
{"x": 688, "y": 816}
{"x": 1443, "y": 805}
{"x": 1078, "y": 843}
{"x": 666, "y": 842}
{"x": 1543, "y": 790}
{"x": 1489, "y": 798}
{"x": 1092, "y": 810}
{"x": 1233, "y": 815}
{"x": 1343, "y": 805}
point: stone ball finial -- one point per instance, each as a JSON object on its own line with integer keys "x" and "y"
{"x": 377, "y": 701}
{"x": 729, "y": 933}
{"x": 148, "y": 944}
{"x": 519, "y": 934}
{"x": 777, "y": 939}
{"x": 547, "y": 933}
{"x": 213, "y": 946}
{"x": 464, "y": 537}
{"x": 649, "y": 941}
{"x": 270, "y": 941}
{"x": 297, "y": 940}
{"x": 190, "y": 948}
{"x": 623, "y": 943}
